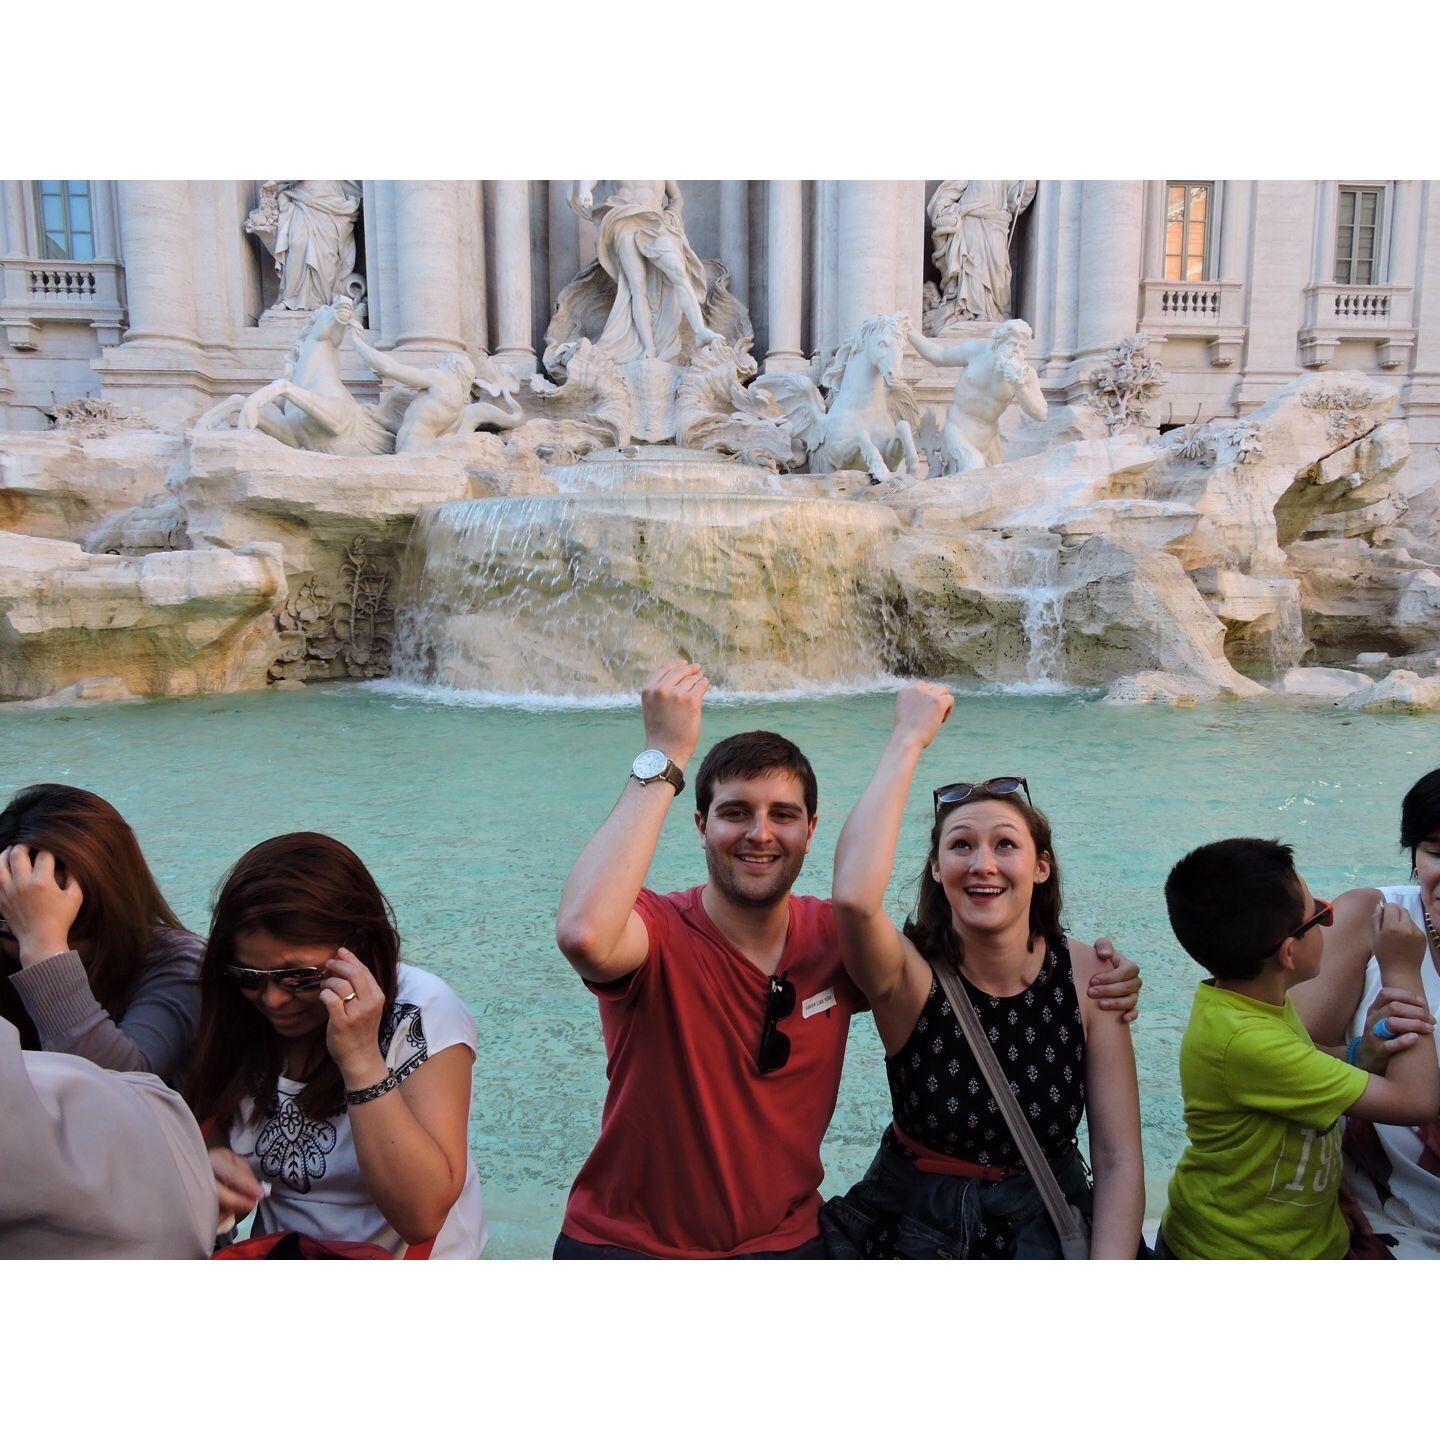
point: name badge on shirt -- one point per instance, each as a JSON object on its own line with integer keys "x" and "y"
{"x": 817, "y": 1004}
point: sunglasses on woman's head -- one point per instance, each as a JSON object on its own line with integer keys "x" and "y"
{"x": 292, "y": 977}
{"x": 962, "y": 790}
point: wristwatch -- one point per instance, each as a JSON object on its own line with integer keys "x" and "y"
{"x": 657, "y": 765}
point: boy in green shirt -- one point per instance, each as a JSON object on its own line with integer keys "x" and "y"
{"x": 1260, "y": 1178}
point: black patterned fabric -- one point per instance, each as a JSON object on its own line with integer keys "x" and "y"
{"x": 939, "y": 1096}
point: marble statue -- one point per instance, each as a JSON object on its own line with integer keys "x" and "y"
{"x": 309, "y": 227}
{"x": 972, "y": 222}
{"x": 994, "y": 375}
{"x": 434, "y": 401}
{"x": 872, "y": 411}
{"x": 659, "y": 280}
{"x": 309, "y": 406}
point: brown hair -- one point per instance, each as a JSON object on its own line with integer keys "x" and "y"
{"x": 304, "y": 889}
{"x": 931, "y": 924}
{"x": 753, "y": 753}
{"x": 122, "y": 904}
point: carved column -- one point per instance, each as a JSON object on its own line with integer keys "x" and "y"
{"x": 16, "y": 246}
{"x": 102, "y": 199}
{"x": 1111, "y": 240}
{"x": 156, "y": 230}
{"x": 513, "y": 342}
{"x": 866, "y": 252}
{"x": 427, "y": 237}
{"x": 783, "y": 260}
{"x": 910, "y": 248}
{"x": 735, "y": 236}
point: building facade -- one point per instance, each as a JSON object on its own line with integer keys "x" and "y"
{"x": 159, "y": 295}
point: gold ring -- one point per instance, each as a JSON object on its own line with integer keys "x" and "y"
{"x": 346, "y": 999}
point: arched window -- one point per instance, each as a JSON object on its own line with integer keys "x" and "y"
{"x": 66, "y": 224}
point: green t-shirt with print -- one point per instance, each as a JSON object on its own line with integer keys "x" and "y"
{"x": 1260, "y": 1178}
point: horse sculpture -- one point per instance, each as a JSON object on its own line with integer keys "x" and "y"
{"x": 872, "y": 411}
{"x": 309, "y": 406}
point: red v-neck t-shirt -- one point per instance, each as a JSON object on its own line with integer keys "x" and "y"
{"x": 700, "y": 1155}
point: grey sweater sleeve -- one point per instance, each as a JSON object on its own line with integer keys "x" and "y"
{"x": 157, "y": 1028}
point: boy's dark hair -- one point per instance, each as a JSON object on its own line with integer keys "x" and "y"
{"x": 743, "y": 757}
{"x": 1232, "y": 903}
{"x": 1420, "y": 813}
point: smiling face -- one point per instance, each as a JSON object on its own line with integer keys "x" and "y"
{"x": 1427, "y": 874}
{"x": 291, "y": 1013}
{"x": 988, "y": 866}
{"x": 756, "y": 835}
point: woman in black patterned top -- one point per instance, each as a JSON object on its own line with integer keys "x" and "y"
{"x": 948, "y": 1180}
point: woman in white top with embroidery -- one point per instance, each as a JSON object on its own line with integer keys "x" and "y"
{"x": 1393, "y": 1169}
{"x": 333, "y": 1079}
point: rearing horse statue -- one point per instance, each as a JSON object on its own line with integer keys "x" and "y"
{"x": 872, "y": 411}
{"x": 309, "y": 407}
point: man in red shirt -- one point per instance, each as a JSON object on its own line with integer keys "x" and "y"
{"x": 725, "y": 1008}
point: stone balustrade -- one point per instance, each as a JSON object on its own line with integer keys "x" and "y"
{"x": 1378, "y": 313}
{"x": 40, "y": 292}
{"x": 1210, "y": 310}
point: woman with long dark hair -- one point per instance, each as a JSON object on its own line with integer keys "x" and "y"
{"x": 93, "y": 962}
{"x": 1392, "y": 1170}
{"x": 949, "y": 1179}
{"x": 332, "y": 1079}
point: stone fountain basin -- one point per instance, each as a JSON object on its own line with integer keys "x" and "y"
{"x": 592, "y": 591}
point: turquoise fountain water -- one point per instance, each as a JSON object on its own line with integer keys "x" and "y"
{"x": 471, "y": 815}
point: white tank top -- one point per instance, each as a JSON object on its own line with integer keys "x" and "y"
{"x": 1415, "y": 1193}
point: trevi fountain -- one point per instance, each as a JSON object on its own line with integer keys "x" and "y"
{"x": 501, "y": 536}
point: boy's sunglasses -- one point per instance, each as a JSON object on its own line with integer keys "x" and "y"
{"x": 293, "y": 978}
{"x": 774, "y": 1042}
{"x": 962, "y": 790}
{"x": 1324, "y": 915}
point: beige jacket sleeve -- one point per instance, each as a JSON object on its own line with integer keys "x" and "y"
{"x": 96, "y": 1164}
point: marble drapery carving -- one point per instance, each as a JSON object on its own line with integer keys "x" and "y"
{"x": 972, "y": 222}
{"x": 659, "y": 280}
{"x": 309, "y": 227}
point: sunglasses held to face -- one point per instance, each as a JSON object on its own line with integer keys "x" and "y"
{"x": 294, "y": 978}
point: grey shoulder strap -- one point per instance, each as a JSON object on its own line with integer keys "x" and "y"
{"x": 1074, "y": 1243}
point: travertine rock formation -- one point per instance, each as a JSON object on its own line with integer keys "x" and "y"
{"x": 164, "y": 624}
{"x": 60, "y": 485}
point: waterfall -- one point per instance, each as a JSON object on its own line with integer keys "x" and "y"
{"x": 586, "y": 593}
{"x": 1287, "y": 632}
{"x": 1027, "y": 571}
{"x": 1043, "y": 622}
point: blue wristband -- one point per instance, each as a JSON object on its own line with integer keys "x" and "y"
{"x": 1353, "y": 1048}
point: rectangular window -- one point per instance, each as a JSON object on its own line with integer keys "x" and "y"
{"x": 1189, "y": 205}
{"x": 1357, "y": 237}
{"x": 65, "y": 225}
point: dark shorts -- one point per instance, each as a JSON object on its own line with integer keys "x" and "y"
{"x": 568, "y": 1249}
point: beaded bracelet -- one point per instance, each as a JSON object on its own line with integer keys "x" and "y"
{"x": 1353, "y": 1048}
{"x": 372, "y": 1092}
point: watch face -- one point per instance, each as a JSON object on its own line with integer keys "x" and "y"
{"x": 648, "y": 764}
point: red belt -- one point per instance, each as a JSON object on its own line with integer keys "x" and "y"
{"x": 932, "y": 1162}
